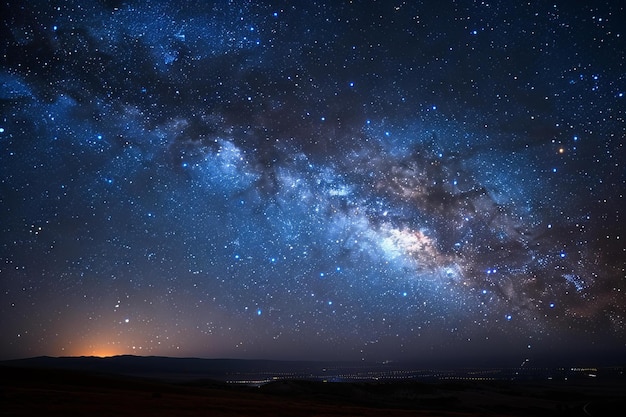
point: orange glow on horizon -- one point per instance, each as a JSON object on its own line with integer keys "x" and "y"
{"x": 97, "y": 348}
{"x": 103, "y": 354}
{"x": 98, "y": 351}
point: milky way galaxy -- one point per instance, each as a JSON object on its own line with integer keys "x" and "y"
{"x": 435, "y": 181}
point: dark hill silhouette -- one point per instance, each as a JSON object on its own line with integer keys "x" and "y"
{"x": 185, "y": 368}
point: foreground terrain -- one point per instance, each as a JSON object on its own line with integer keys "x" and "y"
{"x": 63, "y": 392}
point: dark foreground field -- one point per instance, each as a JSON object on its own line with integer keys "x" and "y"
{"x": 45, "y": 392}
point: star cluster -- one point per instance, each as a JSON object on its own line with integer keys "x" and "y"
{"x": 438, "y": 181}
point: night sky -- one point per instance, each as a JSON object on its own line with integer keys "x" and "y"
{"x": 436, "y": 181}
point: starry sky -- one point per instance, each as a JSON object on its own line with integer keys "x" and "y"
{"x": 437, "y": 181}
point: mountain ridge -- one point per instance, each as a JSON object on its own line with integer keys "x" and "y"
{"x": 217, "y": 368}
